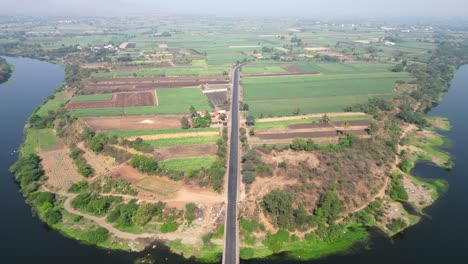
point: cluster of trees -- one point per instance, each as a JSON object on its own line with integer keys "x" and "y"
{"x": 93, "y": 203}
{"x": 144, "y": 164}
{"x": 301, "y": 144}
{"x": 44, "y": 204}
{"x": 217, "y": 170}
{"x": 138, "y": 144}
{"x": 80, "y": 162}
{"x": 130, "y": 214}
{"x": 250, "y": 161}
{"x": 397, "y": 192}
{"x": 5, "y": 70}
{"x": 280, "y": 206}
{"x": 28, "y": 171}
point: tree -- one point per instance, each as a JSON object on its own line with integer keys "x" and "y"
{"x": 144, "y": 164}
{"x": 325, "y": 119}
{"x": 250, "y": 120}
{"x": 192, "y": 110}
{"x": 185, "y": 123}
{"x": 279, "y": 204}
{"x": 245, "y": 107}
{"x": 346, "y": 125}
{"x": 330, "y": 206}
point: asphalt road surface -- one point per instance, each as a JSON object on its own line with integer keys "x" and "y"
{"x": 230, "y": 255}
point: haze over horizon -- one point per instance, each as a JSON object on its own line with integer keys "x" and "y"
{"x": 368, "y": 8}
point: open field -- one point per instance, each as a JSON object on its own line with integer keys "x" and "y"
{"x": 217, "y": 97}
{"x": 259, "y": 125}
{"x": 158, "y": 185}
{"x": 92, "y": 98}
{"x": 118, "y": 100}
{"x": 188, "y": 164}
{"x": 51, "y": 105}
{"x": 59, "y": 168}
{"x": 170, "y": 101}
{"x": 186, "y": 151}
{"x": 137, "y": 133}
{"x": 36, "y": 140}
{"x": 124, "y": 123}
{"x": 168, "y": 142}
{"x": 315, "y": 94}
{"x": 137, "y": 84}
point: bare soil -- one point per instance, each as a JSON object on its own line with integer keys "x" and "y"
{"x": 148, "y": 122}
{"x": 311, "y": 134}
{"x": 218, "y": 98}
{"x": 186, "y": 151}
{"x": 149, "y": 83}
{"x": 331, "y": 115}
{"x": 59, "y": 169}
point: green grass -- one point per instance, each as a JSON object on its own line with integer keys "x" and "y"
{"x": 36, "y": 140}
{"x": 136, "y": 133}
{"x": 169, "y": 227}
{"x": 307, "y": 250}
{"x": 437, "y": 186}
{"x": 188, "y": 164}
{"x": 285, "y": 123}
{"x": 169, "y": 142}
{"x": 171, "y": 101}
{"x": 281, "y": 96}
{"x": 51, "y": 105}
{"x": 92, "y": 98}
{"x": 205, "y": 254}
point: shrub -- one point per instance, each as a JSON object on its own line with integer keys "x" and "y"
{"x": 169, "y": 227}
{"x": 144, "y": 164}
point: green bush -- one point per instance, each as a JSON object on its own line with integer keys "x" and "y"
{"x": 97, "y": 236}
{"x": 190, "y": 210}
{"x": 144, "y": 164}
{"x": 169, "y": 227}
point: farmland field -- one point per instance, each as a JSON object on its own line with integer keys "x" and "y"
{"x": 92, "y": 98}
{"x": 158, "y": 185}
{"x": 171, "y": 101}
{"x": 286, "y": 123}
{"x": 188, "y": 164}
{"x": 168, "y": 142}
{"x": 136, "y": 133}
{"x": 281, "y": 96}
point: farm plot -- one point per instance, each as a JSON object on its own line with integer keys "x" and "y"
{"x": 168, "y": 142}
{"x": 311, "y": 134}
{"x": 283, "y": 123}
{"x": 118, "y": 100}
{"x": 170, "y": 101}
{"x": 134, "y": 122}
{"x": 316, "y": 94}
{"x": 217, "y": 97}
{"x": 158, "y": 185}
{"x": 188, "y": 164}
{"x": 186, "y": 151}
{"x": 138, "y": 84}
{"x": 59, "y": 168}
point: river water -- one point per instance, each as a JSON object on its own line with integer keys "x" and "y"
{"x": 442, "y": 237}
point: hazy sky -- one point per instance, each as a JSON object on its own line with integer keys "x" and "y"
{"x": 372, "y": 8}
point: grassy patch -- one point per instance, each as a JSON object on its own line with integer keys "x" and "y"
{"x": 439, "y": 122}
{"x": 169, "y": 227}
{"x": 51, "y": 105}
{"x": 169, "y": 142}
{"x": 187, "y": 164}
{"x": 92, "y": 98}
{"x": 37, "y": 139}
{"x": 437, "y": 186}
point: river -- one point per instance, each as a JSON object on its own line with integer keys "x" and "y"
{"x": 442, "y": 237}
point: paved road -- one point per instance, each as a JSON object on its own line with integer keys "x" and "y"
{"x": 230, "y": 255}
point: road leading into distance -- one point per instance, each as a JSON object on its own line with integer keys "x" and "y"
{"x": 231, "y": 253}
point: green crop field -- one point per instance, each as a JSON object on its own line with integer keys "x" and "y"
{"x": 188, "y": 164}
{"x": 92, "y": 97}
{"x": 51, "y": 105}
{"x": 281, "y": 96}
{"x": 286, "y": 123}
{"x": 171, "y": 101}
{"x": 136, "y": 133}
{"x": 169, "y": 142}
